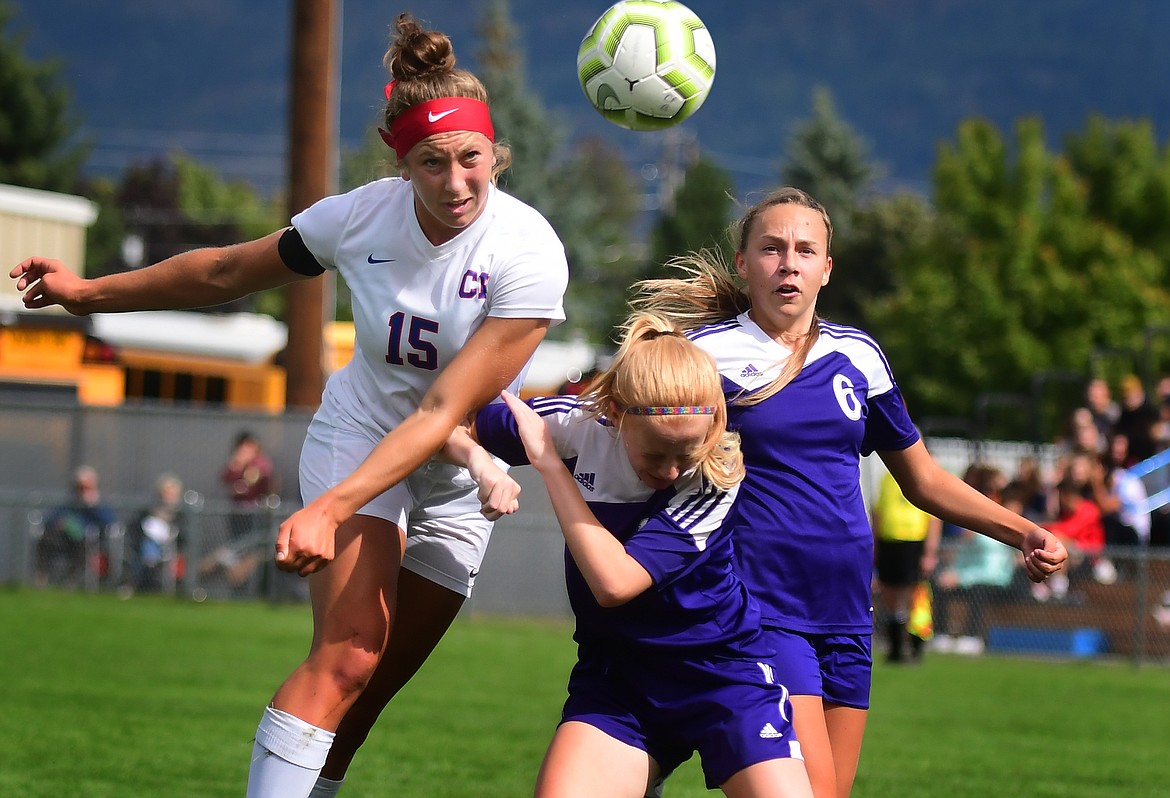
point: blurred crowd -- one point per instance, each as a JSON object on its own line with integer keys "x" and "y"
{"x": 1086, "y": 495}
{"x": 83, "y": 543}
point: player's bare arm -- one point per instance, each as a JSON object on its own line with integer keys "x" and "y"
{"x": 939, "y": 492}
{"x": 614, "y": 577}
{"x": 199, "y": 278}
{"x": 487, "y": 364}
{"x": 499, "y": 494}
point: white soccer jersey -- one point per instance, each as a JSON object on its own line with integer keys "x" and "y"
{"x": 415, "y": 304}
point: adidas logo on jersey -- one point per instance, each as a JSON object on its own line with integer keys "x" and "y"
{"x": 750, "y": 371}
{"x": 769, "y": 732}
{"x": 587, "y": 479}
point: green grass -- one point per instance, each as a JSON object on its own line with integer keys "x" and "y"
{"x": 153, "y": 697}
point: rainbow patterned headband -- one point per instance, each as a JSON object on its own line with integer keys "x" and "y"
{"x": 693, "y": 410}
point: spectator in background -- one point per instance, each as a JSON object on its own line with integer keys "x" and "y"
{"x": 906, "y": 541}
{"x": 1160, "y": 517}
{"x": 248, "y": 477}
{"x": 1079, "y": 526}
{"x": 1102, "y": 409}
{"x": 978, "y": 571}
{"x": 1163, "y": 390}
{"x": 155, "y": 539}
{"x": 1121, "y": 497}
{"x": 1137, "y": 420}
{"x": 73, "y": 533}
{"x": 1085, "y": 437}
{"x": 1075, "y": 467}
{"x": 1037, "y": 499}
{"x": 1162, "y": 429}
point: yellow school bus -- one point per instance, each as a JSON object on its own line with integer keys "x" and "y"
{"x": 223, "y": 360}
{"x": 107, "y": 359}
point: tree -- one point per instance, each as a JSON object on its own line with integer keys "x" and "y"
{"x": 518, "y": 116}
{"x": 830, "y": 160}
{"x": 596, "y": 205}
{"x": 105, "y": 240}
{"x": 1018, "y": 276}
{"x": 174, "y": 205}
{"x": 698, "y": 215}
{"x": 35, "y": 125}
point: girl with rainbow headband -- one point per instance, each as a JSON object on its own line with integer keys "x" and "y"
{"x": 641, "y": 472}
{"x": 454, "y": 284}
{"x": 812, "y": 398}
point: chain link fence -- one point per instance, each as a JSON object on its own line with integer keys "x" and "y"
{"x": 212, "y": 550}
{"x": 223, "y": 553}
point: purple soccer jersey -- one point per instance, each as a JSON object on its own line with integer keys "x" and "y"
{"x": 676, "y": 534}
{"x": 802, "y": 536}
{"x": 682, "y": 667}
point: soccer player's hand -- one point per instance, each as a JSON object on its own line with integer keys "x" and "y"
{"x": 499, "y": 494}
{"x": 534, "y": 434}
{"x": 1044, "y": 554}
{"x": 305, "y": 542}
{"x": 48, "y": 282}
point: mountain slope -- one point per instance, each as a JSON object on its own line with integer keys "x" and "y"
{"x": 210, "y": 76}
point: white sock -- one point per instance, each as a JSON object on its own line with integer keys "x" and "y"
{"x": 287, "y": 757}
{"x": 326, "y": 788}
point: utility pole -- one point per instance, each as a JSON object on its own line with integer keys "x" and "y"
{"x": 311, "y": 169}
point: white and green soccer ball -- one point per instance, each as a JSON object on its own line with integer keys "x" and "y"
{"x": 647, "y": 64}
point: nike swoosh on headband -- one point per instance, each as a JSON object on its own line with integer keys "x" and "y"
{"x": 432, "y": 117}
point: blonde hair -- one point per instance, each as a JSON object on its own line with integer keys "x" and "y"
{"x": 711, "y": 291}
{"x": 422, "y": 65}
{"x": 657, "y": 366}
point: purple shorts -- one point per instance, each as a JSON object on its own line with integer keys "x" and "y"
{"x": 732, "y": 711}
{"x": 839, "y": 668}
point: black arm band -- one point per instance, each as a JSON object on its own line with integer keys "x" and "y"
{"x": 296, "y": 255}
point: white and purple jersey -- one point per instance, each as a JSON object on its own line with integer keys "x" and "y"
{"x": 802, "y": 536}
{"x": 416, "y": 304}
{"x": 697, "y": 603}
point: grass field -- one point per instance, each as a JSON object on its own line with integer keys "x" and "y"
{"x": 153, "y": 697}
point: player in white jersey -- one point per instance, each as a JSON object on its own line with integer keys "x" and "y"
{"x": 810, "y": 399}
{"x": 671, "y": 659}
{"x": 454, "y": 284}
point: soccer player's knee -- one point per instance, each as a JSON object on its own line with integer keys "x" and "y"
{"x": 354, "y": 667}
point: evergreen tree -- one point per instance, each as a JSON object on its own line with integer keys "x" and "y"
{"x": 35, "y": 126}
{"x": 698, "y": 215}
{"x": 518, "y": 116}
{"x": 596, "y": 206}
{"x": 830, "y": 160}
{"x": 827, "y": 158}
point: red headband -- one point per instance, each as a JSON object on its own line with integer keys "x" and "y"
{"x": 444, "y": 115}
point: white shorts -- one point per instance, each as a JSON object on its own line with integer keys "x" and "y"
{"x": 437, "y": 505}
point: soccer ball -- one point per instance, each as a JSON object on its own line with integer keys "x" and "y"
{"x": 647, "y": 64}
